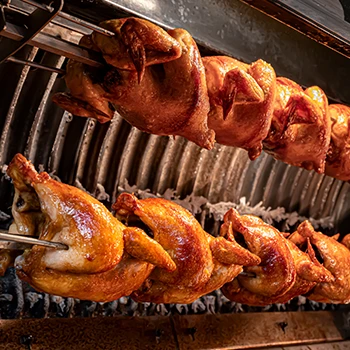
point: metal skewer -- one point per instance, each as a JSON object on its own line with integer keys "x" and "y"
{"x": 36, "y": 65}
{"x": 4, "y": 236}
{"x": 71, "y": 18}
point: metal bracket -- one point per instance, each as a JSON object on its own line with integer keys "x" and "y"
{"x": 34, "y": 23}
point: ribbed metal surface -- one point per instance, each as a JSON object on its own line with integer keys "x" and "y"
{"x": 82, "y": 151}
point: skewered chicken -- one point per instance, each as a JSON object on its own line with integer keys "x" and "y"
{"x": 276, "y": 273}
{"x": 88, "y": 97}
{"x": 336, "y": 259}
{"x": 203, "y": 263}
{"x": 338, "y": 157}
{"x": 145, "y": 86}
{"x": 241, "y": 101}
{"x": 300, "y": 129}
{"x": 157, "y": 82}
{"x": 100, "y": 263}
{"x": 178, "y": 262}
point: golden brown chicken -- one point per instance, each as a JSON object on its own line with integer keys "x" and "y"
{"x": 309, "y": 273}
{"x": 137, "y": 44}
{"x": 338, "y": 157}
{"x": 300, "y": 128}
{"x": 88, "y": 98}
{"x": 335, "y": 258}
{"x": 241, "y": 101}
{"x": 276, "y": 273}
{"x": 203, "y": 263}
{"x": 105, "y": 260}
{"x": 158, "y": 84}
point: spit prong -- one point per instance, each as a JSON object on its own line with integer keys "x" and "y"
{"x": 27, "y": 240}
{"x": 71, "y": 18}
{"x": 36, "y": 65}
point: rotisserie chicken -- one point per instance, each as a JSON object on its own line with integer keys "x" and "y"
{"x": 276, "y": 273}
{"x": 177, "y": 262}
{"x": 145, "y": 86}
{"x": 105, "y": 260}
{"x": 156, "y": 81}
{"x": 336, "y": 259}
{"x": 300, "y": 128}
{"x": 203, "y": 263}
{"x": 241, "y": 101}
{"x": 338, "y": 157}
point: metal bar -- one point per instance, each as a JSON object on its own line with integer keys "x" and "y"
{"x": 4, "y": 236}
{"x": 36, "y": 65}
{"x": 71, "y": 18}
{"x": 34, "y": 23}
{"x": 220, "y": 331}
{"x": 55, "y": 45}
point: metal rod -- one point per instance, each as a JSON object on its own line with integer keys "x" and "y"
{"x": 71, "y": 18}
{"x": 5, "y": 236}
{"x": 85, "y": 24}
{"x": 55, "y": 45}
{"x": 36, "y": 65}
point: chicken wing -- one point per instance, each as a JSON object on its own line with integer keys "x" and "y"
{"x": 276, "y": 273}
{"x": 203, "y": 263}
{"x": 336, "y": 259}
{"x": 338, "y": 157}
{"x": 300, "y": 128}
{"x": 103, "y": 261}
{"x": 241, "y": 101}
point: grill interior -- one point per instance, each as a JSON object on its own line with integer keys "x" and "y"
{"x": 105, "y": 158}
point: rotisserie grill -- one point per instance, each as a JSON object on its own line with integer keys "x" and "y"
{"x": 204, "y": 194}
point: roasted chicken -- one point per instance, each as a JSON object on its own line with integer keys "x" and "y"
{"x": 145, "y": 86}
{"x": 176, "y": 262}
{"x": 159, "y": 83}
{"x": 105, "y": 260}
{"x": 338, "y": 157}
{"x": 241, "y": 101}
{"x": 203, "y": 263}
{"x": 300, "y": 128}
{"x": 335, "y": 258}
{"x": 275, "y": 275}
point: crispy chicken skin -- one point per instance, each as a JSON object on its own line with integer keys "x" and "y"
{"x": 276, "y": 273}
{"x": 241, "y": 101}
{"x": 65, "y": 214}
{"x": 203, "y": 263}
{"x": 87, "y": 97}
{"x": 98, "y": 264}
{"x": 309, "y": 273}
{"x": 157, "y": 82}
{"x": 136, "y": 44}
{"x": 300, "y": 128}
{"x": 336, "y": 259}
{"x": 338, "y": 157}
{"x": 166, "y": 102}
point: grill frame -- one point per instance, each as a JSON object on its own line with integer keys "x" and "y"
{"x": 67, "y": 146}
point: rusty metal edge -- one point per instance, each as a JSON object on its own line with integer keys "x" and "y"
{"x": 225, "y": 331}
